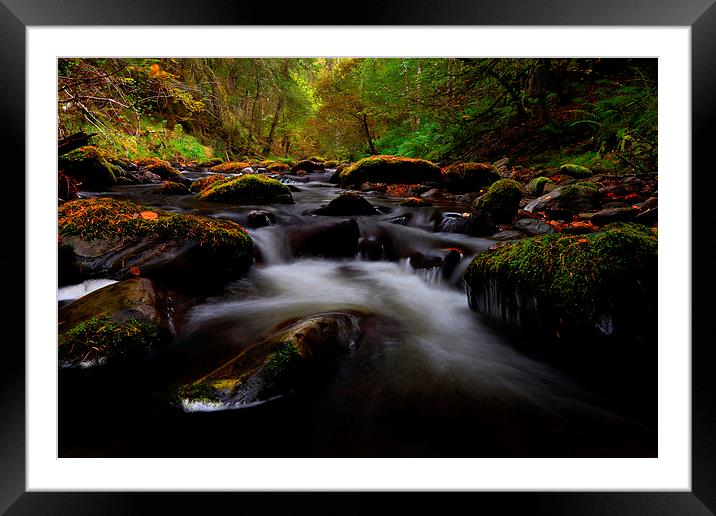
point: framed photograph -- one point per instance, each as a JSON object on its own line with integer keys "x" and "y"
{"x": 574, "y": 106}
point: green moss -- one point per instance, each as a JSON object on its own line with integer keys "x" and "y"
{"x": 171, "y": 188}
{"x": 575, "y": 170}
{"x": 536, "y": 186}
{"x": 317, "y": 159}
{"x": 282, "y": 360}
{"x": 101, "y": 337}
{"x": 571, "y": 271}
{"x": 390, "y": 169}
{"x": 109, "y": 218}
{"x": 570, "y": 194}
{"x": 469, "y": 177}
{"x": 501, "y": 200}
{"x": 204, "y": 182}
{"x": 91, "y": 166}
{"x": 209, "y": 391}
{"x": 162, "y": 168}
{"x": 231, "y": 166}
{"x": 249, "y": 188}
{"x": 331, "y": 163}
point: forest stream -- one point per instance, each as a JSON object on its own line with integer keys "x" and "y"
{"x": 423, "y": 374}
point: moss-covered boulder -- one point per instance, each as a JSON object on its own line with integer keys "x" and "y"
{"x": 231, "y": 167}
{"x": 199, "y": 184}
{"x": 248, "y": 189}
{"x": 390, "y": 169}
{"x": 120, "y": 320}
{"x": 172, "y": 188}
{"x": 347, "y": 204}
{"x": 569, "y": 199}
{"x": 469, "y": 177}
{"x": 300, "y": 355}
{"x": 501, "y": 201}
{"x": 576, "y": 171}
{"x": 90, "y": 167}
{"x": 161, "y": 168}
{"x": 274, "y": 166}
{"x": 110, "y": 238}
{"x": 599, "y": 284}
{"x": 536, "y": 186}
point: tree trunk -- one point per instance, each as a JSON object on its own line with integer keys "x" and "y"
{"x": 274, "y": 123}
{"x": 366, "y": 131}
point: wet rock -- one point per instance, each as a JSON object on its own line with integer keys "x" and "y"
{"x": 421, "y": 261}
{"x": 331, "y": 239}
{"x": 391, "y": 169}
{"x": 370, "y": 249}
{"x": 533, "y": 227}
{"x": 566, "y": 287}
{"x": 347, "y": 204}
{"x": 307, "y": 166}
{"x": 537, "y": 185}
{"x": 507, "y": 235}
{"x": 475, "y": 224}
{"x": 374, "y": 187}
{"x": 433, "y": 193}
{"x": 108, "y": 238}
{"x": 567, "y": 199}
{"x": 91, "y": 168}
{"x": 294, "y": 358}
{"x": 501, "y": 201}
{"x": 648, "y": 217}
{"x": 650, "y": 203}
{"x": 260, "y": 218}
{"x": 609, "y": 215}
{"x": 121, "y": 320}
{"x": 248, "y": 189}
{"x": 171, "y": 188}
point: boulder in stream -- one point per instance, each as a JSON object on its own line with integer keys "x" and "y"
{"x": 248, "y": 189}
{"x": 109, "y": 238}
{"x": 299, "y": 355}
{"x": 390, "y": 169}
{"x": 90, "y": 167}
{"x": 601, "y": 284}
{"x": 501, "y": 200}
{"x": 347, "y": 204}
{"x": 115, "y": 322}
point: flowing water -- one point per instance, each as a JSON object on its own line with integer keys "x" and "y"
{"x": 426, "y": 377}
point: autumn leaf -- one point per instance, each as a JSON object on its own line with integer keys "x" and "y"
{"x": 149, "y": 215}
{"x": 154, "y": 69}
{"x": 134, "y": 270}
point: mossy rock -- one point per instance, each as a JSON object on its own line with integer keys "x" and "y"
{"x": 469, "y": 177}
{"x": 415, "y": 202}
{"x": 120, "y": 320}
{"x": 90, "y": 167}
{"x": 536, "y": 186}
{"x": 390, "y": 169}
{"x": 576, "y": 171}
{"x": 204, "y": 182}
{"x": 171, "y": 188}
{"x": 231, "y": 167}
{"x": 316, "y": 159}
{"x": 348, "y": 204}
{"x": 602, "y": 283}
{"x": 299, "y": 355}
{"x": 162, "y": 168}
{"x": 110, "y": 238}
{"x": 274, "y": 166}
{"x": 248, "y": 189}
{"x": 501, "y": 200}
{"x": 331, "y": 163}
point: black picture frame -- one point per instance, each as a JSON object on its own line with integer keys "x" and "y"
{"x": 17, "y": 15}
